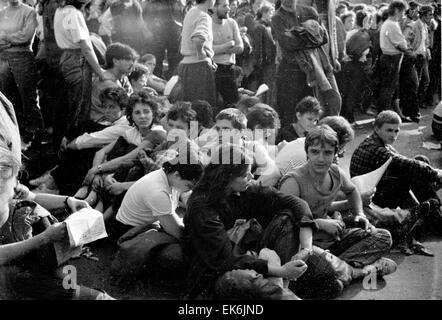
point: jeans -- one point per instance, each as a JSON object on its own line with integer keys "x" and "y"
{"x": 355, "y": 79}
{"x": 389, "y": 66}
{"x": 424, "y": 78}
{"x": 225, "y": 84}
{"x": 18, "y": 75}
{"x": 166, "y": 40}
{"x": 409, "y": 83}
{"x": 291, "y": 86}
{"x": 77, "y": 75}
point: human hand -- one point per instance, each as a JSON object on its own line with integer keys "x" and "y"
{"x": 63, "y": 144}
{"x": 108, "y": 180}
{"x": 22, "y": 192}
{"x": 116, "y": 188}
{"x": 90, "y": 176}
{"x": 363, "y": 223}
{"x": 331, "y": 226}
{"x": 292, "y": 270}
{"x": 367, "y": 197}
{"x": 76, "y": 204}
{"x": 55, "y": 232}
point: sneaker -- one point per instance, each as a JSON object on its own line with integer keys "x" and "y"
{"x": 44, "y": 189}
{"x": 45, "y": 178}
{"x": 371, "y": 111}
{"x": 384, "y": 266}
{"x": 103, "y": 295}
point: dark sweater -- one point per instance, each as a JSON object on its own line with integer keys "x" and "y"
{"x": 206, "y": 225}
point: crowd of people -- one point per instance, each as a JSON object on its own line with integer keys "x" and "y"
{"x": 157, "y": 117}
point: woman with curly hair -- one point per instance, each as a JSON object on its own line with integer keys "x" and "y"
{"x": 82, "y": 142}
{"x": 142, "y": 113}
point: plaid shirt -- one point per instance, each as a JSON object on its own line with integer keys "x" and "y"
{"x": 373, "y": 152}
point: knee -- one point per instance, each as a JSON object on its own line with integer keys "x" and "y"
{"x": 384, "y": 239}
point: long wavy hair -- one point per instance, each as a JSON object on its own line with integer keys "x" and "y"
{"x": 227, "y": 163}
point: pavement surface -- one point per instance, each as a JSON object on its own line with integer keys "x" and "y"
{"x": 417, "y": 277}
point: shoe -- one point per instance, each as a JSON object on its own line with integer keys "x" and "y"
{"x": 45, "y": 178}
{"x": 406, "y": 119}
{"x": 44, "y": 189}
{"x": 418, "y": 248}
{"x": 384, "y": 266}
{"x": 103, "y": 295}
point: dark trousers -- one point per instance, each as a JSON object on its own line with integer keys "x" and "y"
{"x": 291, "y": 86}
{"x": 389, "y": 66}
{"x": 225, "y": 84}
{"x": 393, "y": 190}
{"x": 424, "y": 78}
{"x": 198, "y": 82}
{"x": 166, "y": 43}
{"x": 18, "y": 82}
{"x": 408, "y": 86}
{"x": 355, "y": 80}
{"x": 77, "y": 75}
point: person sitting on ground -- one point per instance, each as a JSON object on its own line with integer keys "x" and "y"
{"x": 402, "y": 175}
{"x": 120, "y": 59}
{"x": 356, "y": 241}
{"x": 230, "y": 125}
{"x": 142, "y": 114}
{"x": 307, "y": 113}
{"x": 81, "y": 142}
{"x": 293, "y": 154}
{"x": 226, "y": 193}
{"x": 19, "y": 281}
{"x": 155, "y": 197}
{"x": 204, "y": 115}
{"x": 264, "y": 127}
{"x": 138, "y": 79}
{"x": 153, "y": 81}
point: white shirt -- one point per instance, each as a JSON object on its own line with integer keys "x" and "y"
{"x": 104, "y": 137}
{"x": 422, "y": 49}
{"x": 70, "y": 27}
{"x": 133, "y": 135}
{"x": 147, "y": 199}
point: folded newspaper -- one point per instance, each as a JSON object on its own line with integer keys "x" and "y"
{"x": 367, "y": 182}
{"x": 84, "y": 226}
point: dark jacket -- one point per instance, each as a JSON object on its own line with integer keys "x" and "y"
{"x": 206, "y": 225}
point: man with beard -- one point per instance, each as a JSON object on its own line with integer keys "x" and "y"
{"x": 227, "y": 42}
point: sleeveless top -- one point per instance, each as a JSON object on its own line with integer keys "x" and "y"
{"x": 319, "y": 201}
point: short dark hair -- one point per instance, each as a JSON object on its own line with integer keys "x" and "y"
{"x": 116, "y": 94}
{"x": 138, "y": 71}
{"x": 189, "y": 169}
{"x": 182, "y": 110}
{"x": 77, "y": 4}
{"x": 235, "y": 116}
{"x": 396, "y": 5}
{"x": 425, "y": 9}
{"x": 146, "y": 99}
{"x": 119, "y": 51}
{"x": 342, "y": 128}
{"x": 263, "y": 118}
{"x": 308, "y": 105}
{"x": 200, "y": 1}
{"x": 204, "y": 113}
{"x": 387, "y": 116}
{"x": 360, "y": 16}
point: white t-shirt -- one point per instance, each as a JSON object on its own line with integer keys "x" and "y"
{"x": 70, "y": 27}
{"x": 147, "y": 199}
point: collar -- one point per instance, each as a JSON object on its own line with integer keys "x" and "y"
{"x": 378, "y": 139}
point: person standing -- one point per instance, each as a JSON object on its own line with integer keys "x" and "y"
{"x": 78, "y": 59}
{"x": 227, "y": 42}
{"x": 196, "y": 69}
{"x": 393, "y": 45}
{"x": 18, "y": 23}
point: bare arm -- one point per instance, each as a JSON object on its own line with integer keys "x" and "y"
{"x": 91, "y": 58}
{"x": 172, "y": 224}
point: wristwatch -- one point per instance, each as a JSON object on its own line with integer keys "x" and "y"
{"x": 99, "y": 167}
